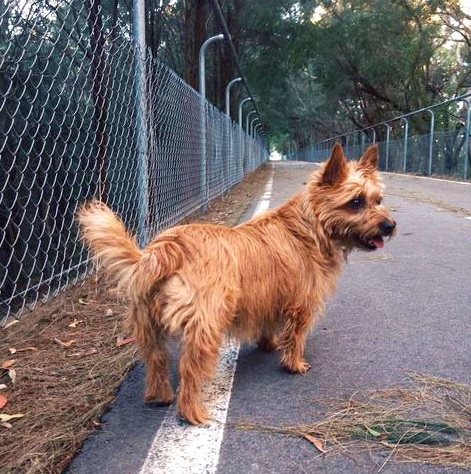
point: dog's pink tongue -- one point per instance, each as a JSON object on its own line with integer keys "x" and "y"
{"x": 379, "y": 242}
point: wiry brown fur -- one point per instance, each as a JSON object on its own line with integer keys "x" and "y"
{"x": 264, "y": 280}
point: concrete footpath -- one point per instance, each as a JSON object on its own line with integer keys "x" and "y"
{"x": 406, "y": 308}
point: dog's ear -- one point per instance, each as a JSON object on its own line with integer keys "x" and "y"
{"x": 336, "y": 168}
{"x": 369, "y": 160}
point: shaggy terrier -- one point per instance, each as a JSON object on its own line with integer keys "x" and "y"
{"x": 265, "y": 280}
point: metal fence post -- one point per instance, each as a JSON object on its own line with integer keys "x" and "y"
{"x": 228, "y": 94}
{"x": 388, "y": 132}
{"x": 251, "y": 126}
{"x": 202, "y": 89}
{"x": 241, "y": 103}
{"x": 248, "y": 148}
{"x": 141, "y": 116}
{"x": 228, "y": 112}
{"x": 247, "y": 120}
{"x": 432, "y": 132}
{"x": 406, "y": 140}
{"x": 466, "y": 140}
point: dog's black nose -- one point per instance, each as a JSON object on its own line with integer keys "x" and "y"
{"x": 387, "y": 227}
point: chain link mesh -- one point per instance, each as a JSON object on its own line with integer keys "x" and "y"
{"x": 444, "y": 155}
{"x": 70, "y": 130}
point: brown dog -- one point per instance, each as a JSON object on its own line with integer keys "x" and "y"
{"x": 264, "y": 280}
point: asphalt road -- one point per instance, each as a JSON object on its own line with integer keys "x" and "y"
{"x": 403, "y": 309}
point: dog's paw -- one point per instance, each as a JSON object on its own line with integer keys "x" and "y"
{"x": 195, "y": 415}
{"x": 300, "y": 367}
{"x": 159, "y": 402}
{"x": 159, "y": 398}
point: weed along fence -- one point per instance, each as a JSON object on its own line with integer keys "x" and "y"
{"x": 430, "y": 141}
{"x": 86, "y": 110}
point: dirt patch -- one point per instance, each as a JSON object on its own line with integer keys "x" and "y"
{"x": 62, "y": 364}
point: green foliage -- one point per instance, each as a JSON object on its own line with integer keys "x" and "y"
{"x": 318, "y": 68}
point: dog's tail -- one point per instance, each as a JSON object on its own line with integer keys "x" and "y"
{"x": 110, "y": 244}
{"x": 118, "y": 253}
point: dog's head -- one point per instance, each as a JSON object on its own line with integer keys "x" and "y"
{"x": 346, "y": 199}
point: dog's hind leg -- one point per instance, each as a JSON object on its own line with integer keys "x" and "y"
{"x": 152, "y": 342}
{"x": 158, "y": 388}
{"x": 197, "y": 363}
{"x": 293, "y": 339}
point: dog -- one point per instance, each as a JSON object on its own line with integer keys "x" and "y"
{"x": 264, "y": 281}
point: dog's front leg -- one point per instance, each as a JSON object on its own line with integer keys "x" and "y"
{"x": 293, "y": 339}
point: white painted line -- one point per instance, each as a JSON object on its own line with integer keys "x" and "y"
{"x": 426, "y": 177}
{"x": 468, "y": 217}
{"x": 264, "y": 201}
{"x": 179, "y": 448}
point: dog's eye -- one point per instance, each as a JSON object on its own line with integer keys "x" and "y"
{"x": 356, "y": 203}
{"x": 379, "y": 201}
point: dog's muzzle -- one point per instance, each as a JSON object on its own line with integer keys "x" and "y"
{"x": 387, "y": 228}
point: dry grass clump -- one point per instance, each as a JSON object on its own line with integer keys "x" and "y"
{"x": 430, "y": 423}
{"x": 66, "y": 367}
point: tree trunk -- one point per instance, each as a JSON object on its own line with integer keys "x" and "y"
{"x": 99, "y": 83}
{"x": 196, "y": 15}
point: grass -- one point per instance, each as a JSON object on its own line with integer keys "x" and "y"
{"x": 429, "y": 423}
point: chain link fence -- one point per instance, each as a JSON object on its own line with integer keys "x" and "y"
{"x": 444, "y": 151}
{"x": 447, "y": 157}
{"x": 75, "y": 123}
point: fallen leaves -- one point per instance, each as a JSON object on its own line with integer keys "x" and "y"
{"x": 74, "y": 323}
{"x": 85, "y": 352}
{"x": 3, "y": 401}
{"x": 8, "y": 363}
{"x": 11, "y": 323}
{"x": 7, "y": 371}
{"x": 62, "y": 343}
{"x": 5, "y": 417}
{"x": 121, "y": 341}
{"x": 14, "y": 350}
{"x": 316, "y": 442}
{"x": 8, "y": 376}
{"x": 372, "y": 432}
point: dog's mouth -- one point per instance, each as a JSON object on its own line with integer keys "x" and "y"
{"x": 374, "y": 243}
